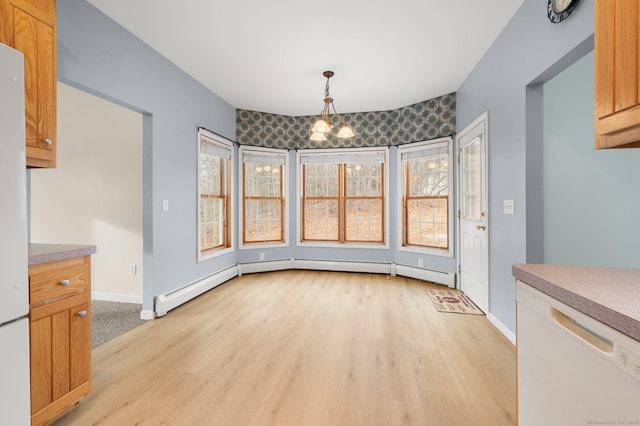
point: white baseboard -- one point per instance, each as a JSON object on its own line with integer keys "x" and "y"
{"x": 502, "y": 328}
{"x": 147, "y": 315}
{"x": 165, "y": 302}
{"x": 315, "y": 265}
{"x": 110, "y": 297}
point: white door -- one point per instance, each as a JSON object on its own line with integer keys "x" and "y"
{"x": 473, "y": 223}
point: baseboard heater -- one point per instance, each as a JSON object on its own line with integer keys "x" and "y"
{"x": 438, "y": 277}
{"x": 165, "y": 302}
{"x": 316, "y": 265}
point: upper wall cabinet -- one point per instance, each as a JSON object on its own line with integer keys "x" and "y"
{"x": 617, "y": 88}
{"x": 30, "y": 26}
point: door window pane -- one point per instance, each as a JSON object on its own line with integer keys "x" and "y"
{"x": 471, "y": 181}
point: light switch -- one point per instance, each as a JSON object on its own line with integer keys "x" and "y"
{"x": 508, "y": 207}
{"x": 165, "y": 205}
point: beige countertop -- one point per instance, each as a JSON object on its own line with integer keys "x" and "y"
{"x": 609, "y": 295}
{"x": 43, "y": 253}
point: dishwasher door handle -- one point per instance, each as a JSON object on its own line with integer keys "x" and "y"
{"x": 583, "y": 332}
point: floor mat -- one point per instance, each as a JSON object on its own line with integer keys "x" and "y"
{"x": 450, "y": 300}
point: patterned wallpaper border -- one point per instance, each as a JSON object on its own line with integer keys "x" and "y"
{"x": 425, "y": 120}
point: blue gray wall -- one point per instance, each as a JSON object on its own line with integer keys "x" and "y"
{"x": 99, "y": 56}
{"x": 506, "y": 83}
{"x": 591, "y": 197}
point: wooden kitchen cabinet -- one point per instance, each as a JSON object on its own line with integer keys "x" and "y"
{"x": 30, "y": 26}
{"x": 617, "y": 74}
{"x": 60, "y": 336}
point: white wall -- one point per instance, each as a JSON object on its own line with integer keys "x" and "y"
{"x": 94, "y": 196}
{"x": 591, "y": 197}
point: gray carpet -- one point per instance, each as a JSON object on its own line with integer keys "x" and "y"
{"x": 111, "y": 319}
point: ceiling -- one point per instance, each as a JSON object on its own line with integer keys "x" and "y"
{"x": 269, "y": 55}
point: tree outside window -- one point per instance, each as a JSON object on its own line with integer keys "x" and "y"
{"x": 214, "y": 188}
{"x": 343, "y": 197}
{"x": 263, "y": 196}
{"x": 425, "y": 196}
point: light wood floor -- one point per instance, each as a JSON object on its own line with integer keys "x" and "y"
{"x": 305, "y": 348}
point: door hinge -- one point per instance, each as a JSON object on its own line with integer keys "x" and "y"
{"x": 458, "y": 214}
{"x": 459, "y": 269}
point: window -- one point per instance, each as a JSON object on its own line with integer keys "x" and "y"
{"x": 263, "y": 201}
{"x": 343, "y": 196}
{"x": 426, "y": 205}
{"x": 214, "y": 187}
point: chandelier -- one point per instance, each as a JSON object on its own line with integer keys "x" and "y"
{"x": 324, "y": 123}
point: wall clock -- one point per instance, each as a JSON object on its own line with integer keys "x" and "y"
{"x": 559, "y": 10}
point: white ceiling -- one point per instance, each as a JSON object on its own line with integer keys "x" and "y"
{"x": 269, "y": 56}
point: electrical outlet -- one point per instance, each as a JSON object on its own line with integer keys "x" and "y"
{"x": 133, "y": 269}
{"x": 261, "y": 256}
{"x": 420, "y": 263}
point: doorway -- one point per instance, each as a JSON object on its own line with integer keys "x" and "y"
{"x": 473, "y": 211}
{"x": 94, "y": 196}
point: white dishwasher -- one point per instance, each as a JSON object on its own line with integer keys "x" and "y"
{"x": 572, "y": 369}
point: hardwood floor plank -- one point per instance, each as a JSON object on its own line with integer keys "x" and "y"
{"x": 305, "y": 348}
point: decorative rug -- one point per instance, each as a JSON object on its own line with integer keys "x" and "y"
{"x": 451, "y": 300}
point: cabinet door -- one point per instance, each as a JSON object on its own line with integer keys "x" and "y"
{"x": 79, "y": 345}
{"x": 617, "y": 73}
{"x": 29, "y": 26}
{"x": 60, "y": 350}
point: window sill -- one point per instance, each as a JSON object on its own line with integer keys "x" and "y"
{"x": 214, "y": 254}
{"x": 427, "y": 251}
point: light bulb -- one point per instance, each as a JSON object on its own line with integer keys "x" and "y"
{"x": 346, "y": 132}
{"x": 321, "y": 126}
{"x": 318, "y": 137}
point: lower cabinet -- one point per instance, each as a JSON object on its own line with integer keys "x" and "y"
{"x": 60, "y": 336}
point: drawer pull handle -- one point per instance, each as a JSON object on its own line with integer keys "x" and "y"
{"x": 47, "y": 141}
{"x": 582, "y": 331}
{"x": 64, "y": 283}
{"x": 82, "y": 314}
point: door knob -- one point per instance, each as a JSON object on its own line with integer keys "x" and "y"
{"x": 47, "y": 141}
{"x": 82, "y": 314}
{"x": 481, "y": 227}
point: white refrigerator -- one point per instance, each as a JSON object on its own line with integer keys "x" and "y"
{"x": 14, "y": 295}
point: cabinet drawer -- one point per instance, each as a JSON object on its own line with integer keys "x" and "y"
{"x": 55, "y": 280}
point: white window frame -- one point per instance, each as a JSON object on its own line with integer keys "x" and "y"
{"x": 205, "y": 136}
{"x": 425, "y": 146}
{"x": 285, "y": 192}
{"x": 342, "y": 152}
